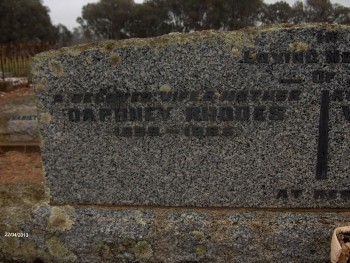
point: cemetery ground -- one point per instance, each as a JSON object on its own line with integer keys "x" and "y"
{"x": 21, "y": 178}
{"x": 19, "y": 166}
{"x": 19, "y": 163}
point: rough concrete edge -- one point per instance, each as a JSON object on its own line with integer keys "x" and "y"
{"x": 59, "y": 221}
{"x": 178, "y": 38}
{"x": 61, "y": 218}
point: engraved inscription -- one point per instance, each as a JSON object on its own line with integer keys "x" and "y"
{"x": 225, "y": 108}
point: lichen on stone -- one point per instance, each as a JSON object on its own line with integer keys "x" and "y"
{"x": 201, "y": 250}
{"x": 198, "y": 235}
{"x": 17, "y": 203}
{"x": 165, "y": 88}
{"x": 115, "y": 59}
{"x": 298, "y": 47}
{"x": 235, "y": 52}
{"x": 59, "y": 220}
{"x": 59, "y": 250}
{"x": 41, "y": 86}
{"x": 244, "y": 38}
{"x": 89, "y": 60}
{"x": 187, "y": 218}
{"x": 45, "y": 118}
{"x": 104, "y": 251}
{"x": 56, "y": 68}
{"x": 16, "y": 248}
{"x": 143, "y": 250}
{"x": 139, "y": 219}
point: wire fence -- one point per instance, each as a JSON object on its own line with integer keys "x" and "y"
{"x": 15, "y": 60}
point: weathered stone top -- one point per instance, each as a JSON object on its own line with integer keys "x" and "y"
{"x": 252, "y": 118}
{"x": 240, "y": 39}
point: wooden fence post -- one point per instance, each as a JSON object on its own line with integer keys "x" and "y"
{"x": 2, "y": 65}
{"x": 15, "y": 59}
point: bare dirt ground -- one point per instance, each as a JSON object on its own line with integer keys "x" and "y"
{"x": 16, "y": 93}
{"x": 20, "y": 167}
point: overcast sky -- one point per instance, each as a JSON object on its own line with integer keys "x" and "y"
{"x": 67, "y": 11}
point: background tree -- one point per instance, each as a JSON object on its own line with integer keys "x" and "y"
{"x": 194, "y": 15}
{"x": 64, "y": 36}
{"x": 149, "y": 19}
{"x": 341, "y": 14}
{"x": 117, "y": 19}
{"x": 217, "y": 14}
{"x": 107, "y": 19}
{"x": 25, "y": 21}
{"x": 187, "y": 16}
{"x": 279, "y": 12}
{"x": 244, "y": 13}
{"x": 298, "y": 13}
{"x": 319, "y": 11}
{"x": 311, "y": 11}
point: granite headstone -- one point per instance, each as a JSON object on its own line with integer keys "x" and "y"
{"x": 201, "y": 147}
{"x": 255, "y": 118}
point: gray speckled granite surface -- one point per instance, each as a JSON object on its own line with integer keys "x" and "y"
{"x": 84, "y": 234}
{"x": 254, "y": 118}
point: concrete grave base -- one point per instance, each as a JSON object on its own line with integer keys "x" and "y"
{"x": 146, "y": 234}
